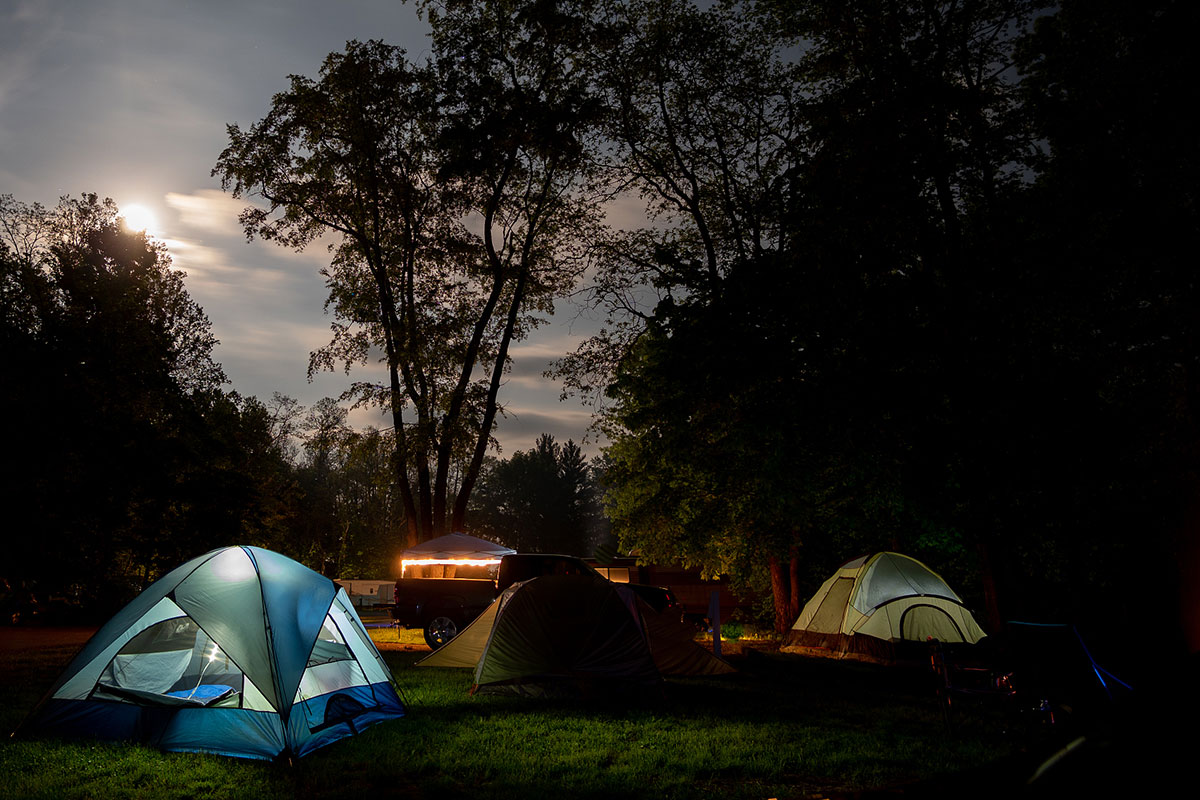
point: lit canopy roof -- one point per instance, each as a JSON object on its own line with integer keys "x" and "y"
{"x": 455, "y": 548}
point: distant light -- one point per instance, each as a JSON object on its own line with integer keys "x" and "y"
{"x": 461, "y": 562}
{"x": 139, "y": 218}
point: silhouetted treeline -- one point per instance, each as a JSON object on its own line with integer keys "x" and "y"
{"x": 926, "y": 282}
{"x": 542, "y": 500}
{"x": 123, "y": 454}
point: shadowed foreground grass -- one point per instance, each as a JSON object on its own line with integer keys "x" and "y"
{"x": 784, "y": 726}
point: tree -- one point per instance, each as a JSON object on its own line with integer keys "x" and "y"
{"x": 542, "y": 500}
{"x": 321, "y": 526}
{"x": 374, "y": 518}
{"x": 980, "y": 315}
{"x": 223, "y": 481}
{"x": 699, "y": 123}
{"x": 346, "y": 520}
{"x": 701, "y": 120}
{"x": 917, "y": 145}
{"x": 1108, "y": 227}
{"x": 851, "y": 180}
{"x": 285, "y": 413}
{"x": 114, "y": 378}
{"x": 393, "y": 161}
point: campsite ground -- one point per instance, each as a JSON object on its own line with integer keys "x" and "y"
{"x": 784, "y": 726}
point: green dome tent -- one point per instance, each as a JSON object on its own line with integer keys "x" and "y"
{"x": 241, "y": 652}
{"x": 566, "y": 634}
{"x": 875, "y": 602}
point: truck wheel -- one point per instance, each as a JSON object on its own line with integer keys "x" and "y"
{"x": 439, "y": 631}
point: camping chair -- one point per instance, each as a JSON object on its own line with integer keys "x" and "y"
{"x": 963, "y": 681}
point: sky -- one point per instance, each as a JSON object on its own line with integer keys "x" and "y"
{"x": 130, "y": 99}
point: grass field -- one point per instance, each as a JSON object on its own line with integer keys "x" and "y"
{"x": 784, "y": 726}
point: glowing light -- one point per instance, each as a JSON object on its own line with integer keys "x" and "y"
{"x": 460, "y": 562}
{"x": 139, "y": 218}
{"x": 216, "y": 651}
{"x": 233, "y": 566}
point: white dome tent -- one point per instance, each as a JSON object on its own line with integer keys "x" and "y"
{"x": 873, "y": 602}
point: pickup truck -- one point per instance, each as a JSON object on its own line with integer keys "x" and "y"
{"x": 442, "y": 607}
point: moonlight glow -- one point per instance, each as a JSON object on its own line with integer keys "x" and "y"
{"x": 139, "y": 218}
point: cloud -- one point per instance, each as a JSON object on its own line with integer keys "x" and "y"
{"x": 26, "y": 31}
{"x": 224, "y": 268}
{"x": 212, "y": 213}
{"x": 543, "y": 348}
{"x": 521, "y": 426}
{"x": 213, "y": 277}
{"x": 626, "y": 212}
{"x": 272, "y": 341}
{"x": 530, "y": 361}
{"x": 368, "y": 417}
{"x": 208, "y": 210}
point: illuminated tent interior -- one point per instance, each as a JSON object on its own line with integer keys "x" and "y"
{"x": 453, "y": 555}
{"x": 572, "y": 634}
{"x": 872, "y": 603}
{"x": 241, "y": 651}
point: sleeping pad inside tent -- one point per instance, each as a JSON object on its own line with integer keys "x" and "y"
{"x": 241, "y": 651}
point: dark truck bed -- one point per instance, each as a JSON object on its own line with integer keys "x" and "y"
{"x": 442, "y": 607}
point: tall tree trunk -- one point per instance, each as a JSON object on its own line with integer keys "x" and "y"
{"x": 781, "y": 594}
{"x": 794, "y": 576}
{"x": 1186, "y": 546}
{"x": 471, "y": 474}
{"x": 991, "y": 600}
{"x": 458, "y": 396}
{"x": 429, "y": 526}
{"x": 400, "y": 464}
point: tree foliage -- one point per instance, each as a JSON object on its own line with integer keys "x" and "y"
{"x": 966, "y": 337}
{"x": 701, "y": 114}
{"x": 450, "y": 195}
{"x": 347, "y": 519}
{"x": 1111, "y": 328}
{"x": 699, "y": 123}
{"x": 542, "y": 500}
{"x": 127, "y": 456}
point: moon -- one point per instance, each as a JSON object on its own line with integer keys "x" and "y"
{"x": 139, "y": 218}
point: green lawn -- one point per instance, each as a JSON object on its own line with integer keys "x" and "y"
{"x": 784, "y": 726}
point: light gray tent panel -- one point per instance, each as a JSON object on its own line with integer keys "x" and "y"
{"x": 225, "y": 598}
{"x": 891, "y": 576}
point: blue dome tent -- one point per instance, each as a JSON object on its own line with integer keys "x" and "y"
{"x": 240, "y": 651}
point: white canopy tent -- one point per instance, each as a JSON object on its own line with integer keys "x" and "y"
{"x": 454, "y": 549}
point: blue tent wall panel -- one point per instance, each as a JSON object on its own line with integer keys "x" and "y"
{"x": 225, "y": 731}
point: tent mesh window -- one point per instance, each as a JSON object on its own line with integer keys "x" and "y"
{"x": 173, "y": 662}
{"x": 331, "y": 666}
{"x": 330, "y": 646}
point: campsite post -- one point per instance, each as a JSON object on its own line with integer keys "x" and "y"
{"x": 714, "y": 617}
